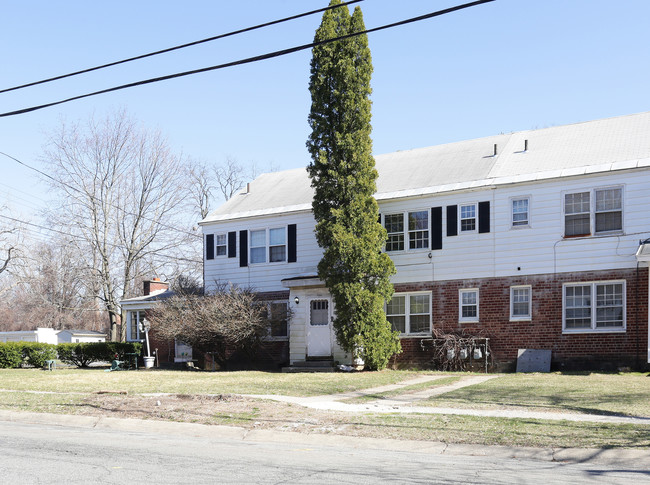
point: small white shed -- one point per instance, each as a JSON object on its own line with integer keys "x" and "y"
{"x": 79, "y": 336}
{"x": 42, "y": 335}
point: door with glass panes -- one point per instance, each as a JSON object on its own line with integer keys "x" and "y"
{"x": 319, "y": 329}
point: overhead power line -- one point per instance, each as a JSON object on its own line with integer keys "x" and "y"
{"x": 98, "y": 200}
{"x": 182, "y": 46}
{"x": 249, "y": 60}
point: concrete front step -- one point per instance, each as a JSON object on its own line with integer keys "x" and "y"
{"x": 312, "y": 365}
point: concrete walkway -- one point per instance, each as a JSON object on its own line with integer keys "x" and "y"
{"x": 404, "y": 403}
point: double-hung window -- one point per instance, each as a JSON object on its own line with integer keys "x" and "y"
{"x": 598, "y": 211}
{"x": 468, "y": 218}
{"x": 468, "y": 305}
{"x": 277, "y": 244}
{"x": 220, "y": 244}
{"x": 520, "y": 212}
{"x": 520, "y": 302}
{"x": 394, "y": 224}
{"x": 415, "y": 231}
{"x": 258, "y": 246}
{"x": 268, "y": 245}
{"x": 410, "y": 313}
{"x": 598, "y": 306}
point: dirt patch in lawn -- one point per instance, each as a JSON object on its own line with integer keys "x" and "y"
{"x": 224, "y": 409}
{"x": 234, "y": 410}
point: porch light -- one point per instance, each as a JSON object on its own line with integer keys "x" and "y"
{"x": 296, "y": 300}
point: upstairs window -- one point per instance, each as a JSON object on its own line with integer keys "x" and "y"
{"x": 419, "y": 230}
{"x": 415, "y": 231}
{"x": 258, "y": 246}
{"x": 600, "y": 209}
{"x": 221, "y": 244}
{"x": 268, "y": 245}
{"x": 277, "y": 245}
{"x": 394, "y": 224}
{"x": 468, "y": 218}
{"x": 609, "y": 210}
{"x": 520, "y": 216}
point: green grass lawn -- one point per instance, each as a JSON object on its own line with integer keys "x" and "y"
{"x": 192, "y": 382}
{"x": 585, "y": 393}
{"x": 72, "y": 391}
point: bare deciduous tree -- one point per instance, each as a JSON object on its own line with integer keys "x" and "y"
{"x": 121, "y": 191}
{"x": 224, "y": 321}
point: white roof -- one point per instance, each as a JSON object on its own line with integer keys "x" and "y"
{"x": 591, "y": 147}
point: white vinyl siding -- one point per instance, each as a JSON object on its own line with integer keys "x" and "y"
{"x": 594, "y": 307}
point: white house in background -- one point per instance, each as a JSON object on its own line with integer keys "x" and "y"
{"x": 52, "y": 336}
{"x": 529, "y": 238}
{"x": 42, "y": 335}
{"x": 80, "y": 336}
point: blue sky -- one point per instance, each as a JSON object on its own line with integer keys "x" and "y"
{"x": 504, "y": 66}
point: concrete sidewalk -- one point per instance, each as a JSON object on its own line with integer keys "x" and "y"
{"x": 406, "y": 403}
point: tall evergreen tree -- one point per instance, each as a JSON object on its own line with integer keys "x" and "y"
{"x": 343, "y": 174}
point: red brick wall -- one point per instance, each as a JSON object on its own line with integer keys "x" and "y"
{"x": 544, "y": 330}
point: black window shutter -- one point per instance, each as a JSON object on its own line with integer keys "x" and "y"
{"x": 292, "y": 255}
{"x": 232, "y": 244}
{"x": 452, "y": 220}
{"x": 379, "y": 218}
{"x": 436, "y": 228}
{"x": 209, "y": 246}
{"x": 484, "y": 217}
{"x": 243, "y": 248}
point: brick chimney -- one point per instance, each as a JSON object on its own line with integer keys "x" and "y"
{"x": 149, "y": 286}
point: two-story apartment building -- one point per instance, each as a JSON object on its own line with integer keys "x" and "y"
{"x": 529, "y": 238}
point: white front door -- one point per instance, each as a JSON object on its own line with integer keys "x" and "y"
{"x": 319, "y": 329}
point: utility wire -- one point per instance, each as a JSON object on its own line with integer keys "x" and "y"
{"x": 99, "y": 200}
{"x": 68, "y": 234}
{"x": 249, "y": 60}
{"x": 182, "y": 46}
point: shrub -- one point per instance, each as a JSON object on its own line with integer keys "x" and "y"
{"x": 11, "y": 355}
{"x": 84, "y": 354}
{"x": 36, "y": 353}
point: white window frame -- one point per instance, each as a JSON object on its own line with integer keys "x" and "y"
{"x": 593, "y": 194}
{"x": 407, "y": 312}
{"x": 224, "y": 238}
{"x": 284, "y": 244}
{"x": 131, "y": 323}
{"x": 594, "y": 306}
{"x": 251, "y": 247}
{"x": 267, "y": 245}
{"x": 461, "y": 292}
{"x": 406, "y": 231}
{"x": 518, "y": 224}
{"x": 461, "y": 218}
{"x": 528, "y": 316}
